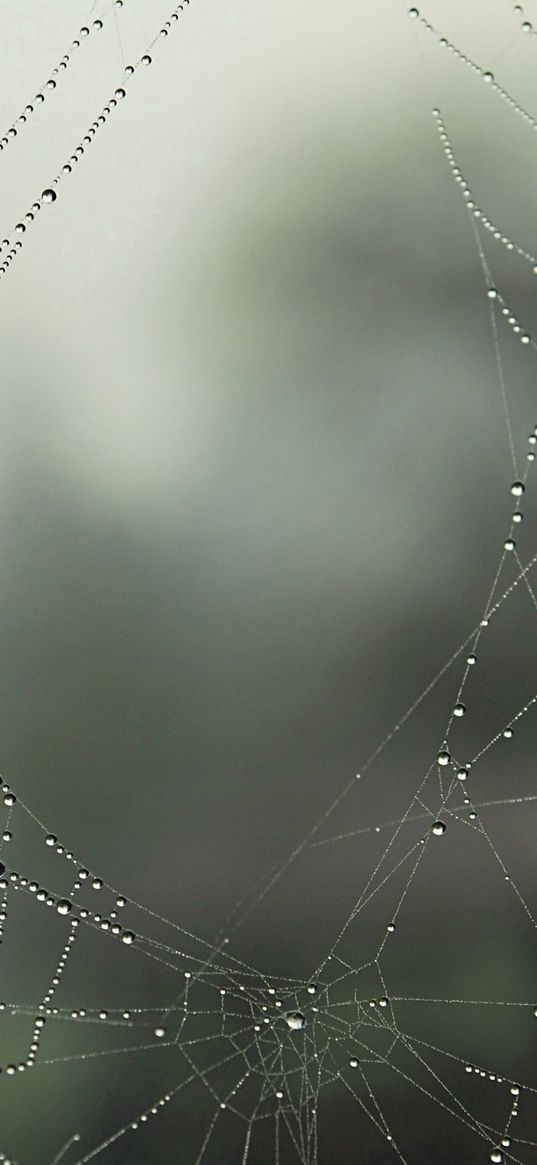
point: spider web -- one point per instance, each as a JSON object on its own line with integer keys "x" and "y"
{"x": 233, "y": 1060}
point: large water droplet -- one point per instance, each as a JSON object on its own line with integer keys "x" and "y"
{"x": 49, "y": 195}
{"x": 438, "y": 828}
{"x": 295, "y": 1020}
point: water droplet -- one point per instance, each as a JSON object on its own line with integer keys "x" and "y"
{"x": 438, "y": 828}
{"x": 496, "y": 1155}
{"x": 128, "y": 937}
{"x": 488, "y": 76}
{"x": 508, "y": 732}
{"x": 509, "y": 544}
{"x": 120, "y": 93}
{"x": 9, "y": 800}
{"x": 471, "y": 659}
{"x": 63, "y": 906}
{"x": 517, "y": 489}
{"x": 160, "y": 1032}
{"x": 312, "y": 988}
{"x": 353, "y": 1063}
{"x": 295, "y": 1020}
{"x": 492, "y": 293}
{"x": 391, "y": 928}
{"x": 146, "y": 59}
{"x": 49, "y": 195}
{"x": 443, "y": 757}
{"x": 459, "y": 710}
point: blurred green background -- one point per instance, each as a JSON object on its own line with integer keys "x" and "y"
{"x": 254, "y": 474}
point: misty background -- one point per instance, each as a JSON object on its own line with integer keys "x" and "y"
{"x": 255, "y": 486}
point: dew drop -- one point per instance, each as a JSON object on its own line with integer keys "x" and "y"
{"x": 438, "y": 828}
{"x": 295, "y": 1020}
{"x": 443, "y": 757}
{"x": 49, "y": 195}
{"x": 459, "y": 710}
{"x": 492, "y": 293}
{"x": 471, "y": 659}
{"x": 128, "y": 937}
{"x": 160, "y": 1032}
{"x": 496, "y": 1155}
{"x": 312, "y": 988}
{"x": 63, "y": 906}
{"x": 517, "y": 489}
{"x": 509, "y": 544}
{"x": 146, "y": 59}
{"x": 353, "y": 1063}
{"x": 488, "y": 76}
{"x": 120, "y": 93}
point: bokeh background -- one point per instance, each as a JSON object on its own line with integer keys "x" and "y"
{"x": 255, "y": 485}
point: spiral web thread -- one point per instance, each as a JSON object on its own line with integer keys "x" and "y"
{"x": 263, "y": 1051}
